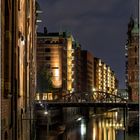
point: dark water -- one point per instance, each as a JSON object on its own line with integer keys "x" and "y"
{"x": 106, "y": 126}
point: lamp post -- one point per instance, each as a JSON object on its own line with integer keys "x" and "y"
{"x": 46, "y": 113}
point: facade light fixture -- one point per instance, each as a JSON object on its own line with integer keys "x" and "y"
{"x": 45, "y": 112}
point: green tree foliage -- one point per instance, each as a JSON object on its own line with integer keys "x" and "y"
{"x": 44, "y": 80}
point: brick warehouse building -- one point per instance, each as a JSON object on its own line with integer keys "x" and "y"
{"x": 105, "y": 79}
{"x": 87, "y": 71}
{"x": 18, "y": 64}
{"x": 55, "y": 50}
{"x": 72, "y": 69}
{"x": 132, "y": 60}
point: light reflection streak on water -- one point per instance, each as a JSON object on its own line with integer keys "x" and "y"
{"x": 99, "y": 127}
{"x": 94, "y": 131}
{"x": 83, "y": 129}
{"x": 105, "y": 127}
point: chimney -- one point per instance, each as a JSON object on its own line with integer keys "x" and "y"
{"x": 45, "y": 31}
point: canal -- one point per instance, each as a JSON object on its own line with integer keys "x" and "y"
{"x": 110, "y": 125}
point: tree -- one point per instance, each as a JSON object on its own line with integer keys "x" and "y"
{"x": 44, "y": 80}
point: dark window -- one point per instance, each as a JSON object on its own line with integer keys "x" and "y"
{"x": 135, "y": 61}
{"x": 39, "y": 49}
{"x": 55, "y": 67}
{"x": 48, "y": 58}
{"x": 6, "y": 136}
{"x": 19, "y": 7}
{"x": 135, "y": 48}
{"x": 60, "y": 41}
{"x": 47, "y": 50}
{"x": 48, "y": 42}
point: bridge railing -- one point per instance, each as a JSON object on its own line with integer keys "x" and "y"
{"x": 94, "y": 97}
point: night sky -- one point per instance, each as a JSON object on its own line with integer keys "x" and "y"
{"x": 100, "y": 26}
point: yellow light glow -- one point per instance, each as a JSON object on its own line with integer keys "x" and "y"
{"x": 94, "y": 133}
{"x": 69, "y": 86}
{"x": 93, "y": 89}
{"x": 50, "y": 96}
{"x": 69, "y": 77}
{"x": 56, "y": 72}
{"x": 37, "y": 96}
{"x": 56, "y": 82}
{"x": 69, "y": 63}
{"x": 44, "y": 96}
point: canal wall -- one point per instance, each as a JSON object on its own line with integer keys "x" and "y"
{"x": 133, "y": 122}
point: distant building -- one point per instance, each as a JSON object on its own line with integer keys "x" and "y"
{"x": 104, "y": 78}
{"x": 77, "y": 66}
{"x": 123, "y": 93}
{"x": 87, "y": 71}
{"x": 132, "y": 60}
{"x": 55, "y": 50}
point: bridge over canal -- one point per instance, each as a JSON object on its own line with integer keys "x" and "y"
{"x": 94, "y": 99}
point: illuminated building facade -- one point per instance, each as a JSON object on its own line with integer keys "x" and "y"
{"x": 50, "y": 55}
{"x": 70, "y": 65}
{"x": 105, "y": 79}
{"x": 55, "y": 50}
{"x": 132, "y": 60}
{"x": 17, "y": 68}
{"x": 87, "y": 71}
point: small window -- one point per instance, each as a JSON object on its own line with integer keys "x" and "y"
{"x": 48, "y": 42}
{"x": 19, "y": 7}
{"x": 135, "y": 48}
{"x": 48, "y": 58}
{"x": 47, "y": 50}
{"x": 135, "y": 61}
{"x": 6, "y": 136}
{"x": 55, "y": 67}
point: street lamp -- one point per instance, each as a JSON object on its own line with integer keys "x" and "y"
{"x": 93, "y": 89}
{"x": 46, "y": 113}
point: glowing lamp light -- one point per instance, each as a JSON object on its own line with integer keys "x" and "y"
{"x": 79, "y": 119}
{"x": 41, "y": 104}
{"x": 45, "y": 112}
{"x": 93, "y": 89}
{"x": 56, "y": 72}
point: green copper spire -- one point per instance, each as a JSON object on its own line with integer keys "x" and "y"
{"x": 135, "y": 29}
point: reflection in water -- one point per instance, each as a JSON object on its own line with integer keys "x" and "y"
{"x": 103, "y": 128}
{"x": 83, "y": 128}
{"x": 107, "y": 126}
